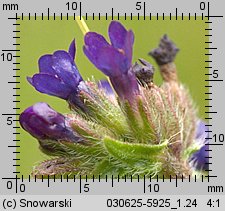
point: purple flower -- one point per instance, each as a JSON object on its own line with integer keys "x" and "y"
{"x": 106, "y": 87}
{"x": 42, "y": 122}
{"x": 115, "y": 59}
{"x": 58, "y": 74}
{"x": 200, "y": 158}
{"x": 166, "y": 52}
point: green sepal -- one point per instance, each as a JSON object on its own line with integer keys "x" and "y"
{"x": 51, "y": 147}
{"x": 133, "y": 120}
{"x": 148, "y": 129}
{"x": 105, "y": 113}
{"x": 140, "y": 127}
{"x": 82, "y": 151}
{"x": 93, "y": 151}
{"x": 133, "y": 152}
{"x": 81, "y": 131}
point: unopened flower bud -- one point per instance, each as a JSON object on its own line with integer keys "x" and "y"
{"x": 42, "y": 122}
{"x": 144, "y": 72}
{"x": 164, "y": 56}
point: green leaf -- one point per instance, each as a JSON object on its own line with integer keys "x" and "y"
{"x": 109, "y": 167}
{"x": 130, "y": 152}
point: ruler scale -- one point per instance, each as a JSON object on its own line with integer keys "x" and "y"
{"x": 108, "y": 192}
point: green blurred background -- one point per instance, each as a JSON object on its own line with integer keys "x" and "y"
{"x": 39, "y": 37}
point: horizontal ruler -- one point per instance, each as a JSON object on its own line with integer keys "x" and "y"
{"x": 108, "y": 186}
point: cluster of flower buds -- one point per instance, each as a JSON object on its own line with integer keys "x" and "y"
{"x": 125, "y": 126}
